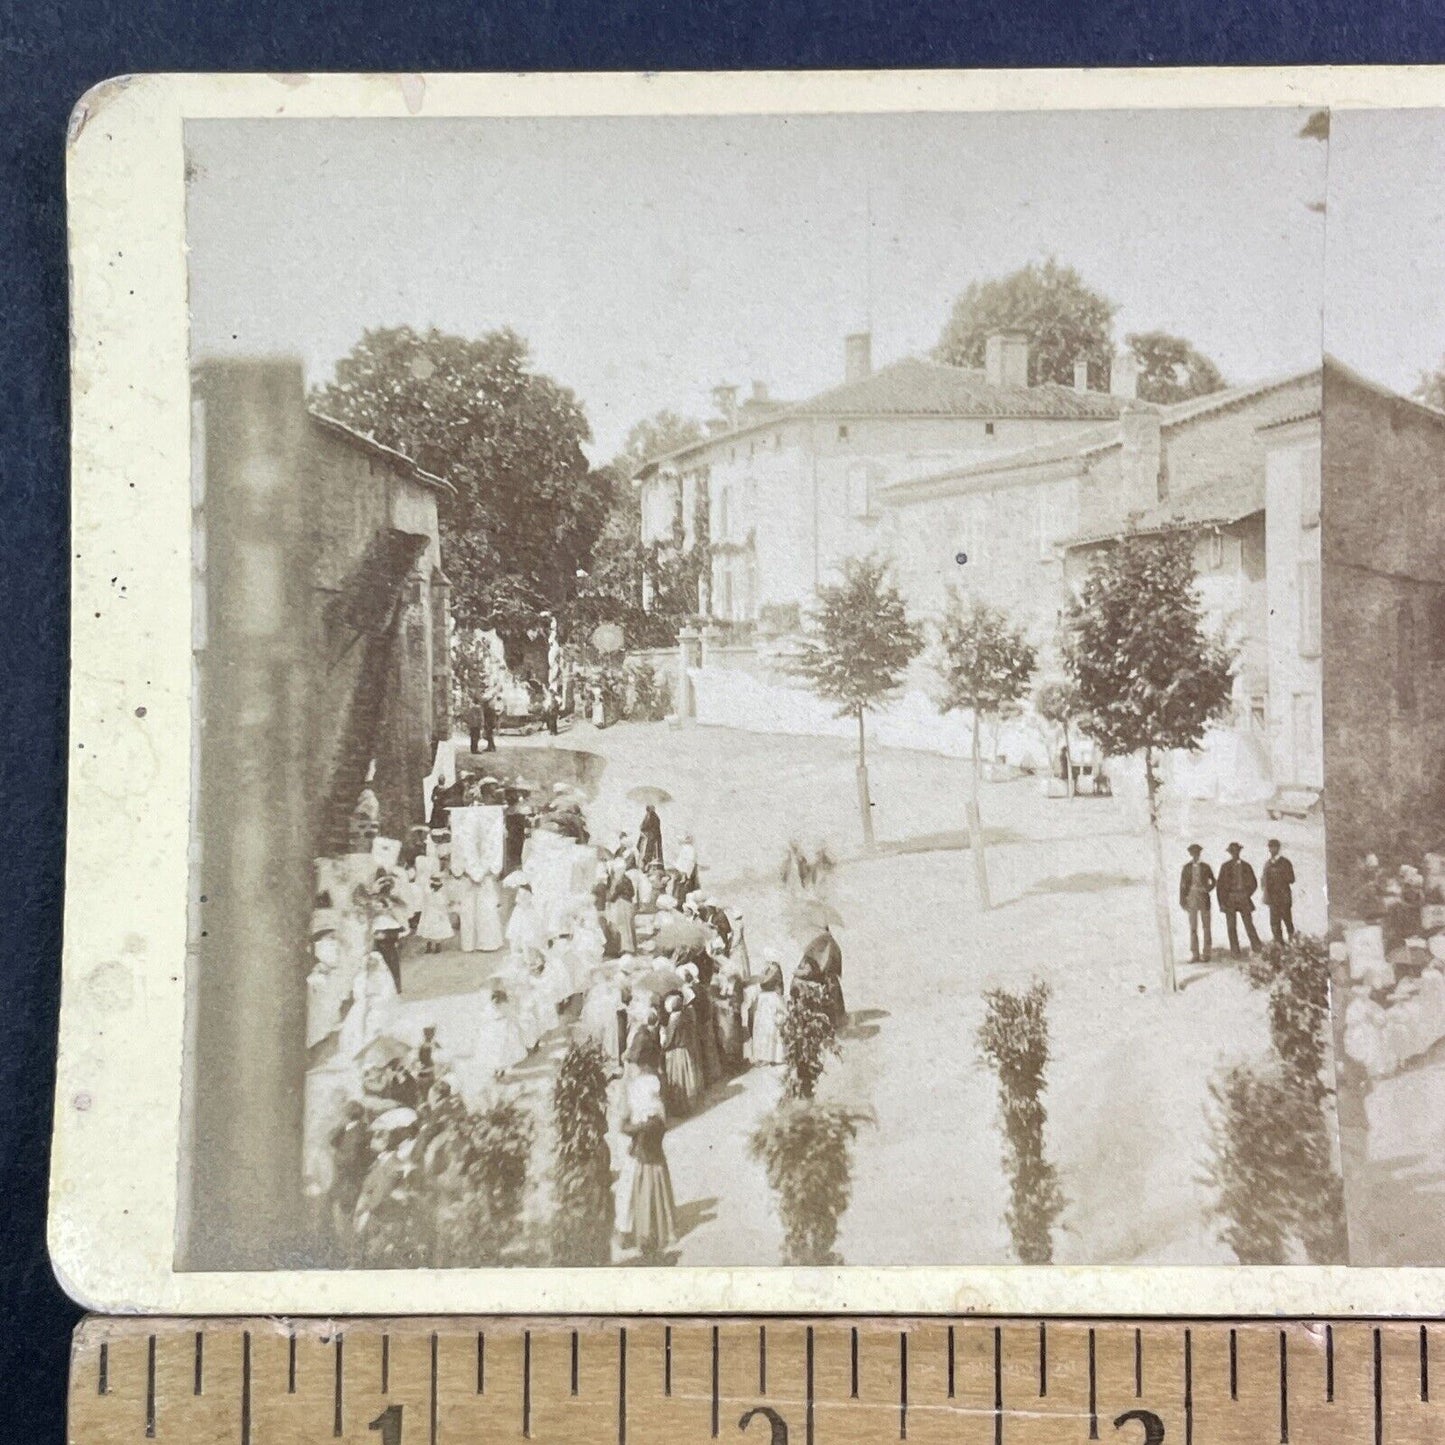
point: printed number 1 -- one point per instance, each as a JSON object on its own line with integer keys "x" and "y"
{"x": 389, "y": 1423}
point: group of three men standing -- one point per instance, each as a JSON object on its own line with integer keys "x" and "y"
{"x": 1234, "y": 889}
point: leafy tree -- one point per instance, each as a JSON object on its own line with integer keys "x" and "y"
{"x": 582, "y": 1177}
{"x": 806, "y": 1149}
{"x": 1170, "y": 369}
{"x": 1063, "y": 318}
{"x": 986, "y": 667}
{"x": 1149, "y": 677}
{"x": 858, "y": 644}
{"x": 529, "y": 508}
{"x": 655, "y": 436}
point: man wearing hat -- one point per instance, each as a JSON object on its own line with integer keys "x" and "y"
{"x": 1236, "y": 899}
{"x": 1196, "y": 882}
{"x": 1277, "y": 882}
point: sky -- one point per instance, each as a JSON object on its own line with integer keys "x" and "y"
{"x": 1385, "y": 248}
{"x": 646, "y": 260}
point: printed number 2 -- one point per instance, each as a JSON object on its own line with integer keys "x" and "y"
{"x": 389, "y": 1423}
{"x": 1153, "y": 1425}
{"x": 776, "y": 1424}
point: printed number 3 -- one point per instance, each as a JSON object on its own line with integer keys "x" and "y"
{"x": 1153, "y": 1425}
{"x": 389, "y": 1423}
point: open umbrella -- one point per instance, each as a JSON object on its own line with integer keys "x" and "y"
{"x": 820, "y": 914}
{"x": 646, "y": 793}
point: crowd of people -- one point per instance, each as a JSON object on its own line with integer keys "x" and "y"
{"x": 616, "y": 941}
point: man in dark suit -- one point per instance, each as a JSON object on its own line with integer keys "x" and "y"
{"x": 1237, "y": 884}
{"x": 1277, "y": 884}
{"x": 1196, "y": 882}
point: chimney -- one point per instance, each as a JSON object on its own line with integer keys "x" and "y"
{"x": 1124, "y": 376}
{"x": 1006, "y": 359}
{"x": 725, "y": 398}
{"x": 857, "y": 356}
{"x": 1141, "y": 457}
{"x": 1081, "y": 373}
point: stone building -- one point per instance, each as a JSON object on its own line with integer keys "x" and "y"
{"x": 1383, "y": 623}
{"x": 783, "y": 494}
{"x": 320, "y": 649}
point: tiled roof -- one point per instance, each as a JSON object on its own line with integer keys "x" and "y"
{"x": 914, "y": 387}
{"x": 1217, "y": 401}
{"x": 368, "y": 443}
{"x": 1207, "y": 507}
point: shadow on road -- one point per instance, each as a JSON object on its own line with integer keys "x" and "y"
{"x": 953, "y": 841}
{"x": 863, "y": 1023}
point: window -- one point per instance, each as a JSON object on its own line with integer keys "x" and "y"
{"x": 1309, "y": 608}
{"x": 1216, "y": 550}
{"x": 722, "y": 513}
{"x": 1309, "y": 491}
{"x": 1258, "y": 712}
{"x": 1161, "y": 484}
{"x": 988, "y": 428}
{"x": 843, "y": 433}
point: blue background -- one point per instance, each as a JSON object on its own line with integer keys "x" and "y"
{"x": 52, "y": 53}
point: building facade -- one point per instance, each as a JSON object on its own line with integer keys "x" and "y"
{"x": 782, "y": 495}
{"x": 319, "y": 653}
{"x": 1383, "y": 625}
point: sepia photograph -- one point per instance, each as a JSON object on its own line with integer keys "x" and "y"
{"x": 757, "y": 692}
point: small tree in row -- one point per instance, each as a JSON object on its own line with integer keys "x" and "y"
{"x": 986, "y": 666}
{"x": 1146, "y": 672}
{"x": 858, "y": 646}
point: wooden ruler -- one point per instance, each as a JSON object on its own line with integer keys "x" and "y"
{"x": 774, "y": 1381}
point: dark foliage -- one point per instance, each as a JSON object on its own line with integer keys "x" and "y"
{"x": 1014, "y": 1039}
{"x": 808, "y": 1038}
{"x": 582, "y": 1170}
{"x": 806, "y": 1148}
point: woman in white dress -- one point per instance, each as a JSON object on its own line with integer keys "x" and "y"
{"x": 767, "y": 1040}
{"x": 599, "y": 1014}
{"x": 499, "y": 1041}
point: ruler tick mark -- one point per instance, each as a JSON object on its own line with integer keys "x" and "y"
{"x": 902, "y": 1384}
{"x": 1329, "y": 1364}
{"x": 151, "y": 1388}
{"x": 1379, "y": 1395}
{"x": 950, "y": 1362}
{"x": 622, "y": 1386}
{"x": 291, "y": 1363}
{"x": 1043, "y": 1360}
{"x": 1424, "y": 1366}
{"x": 716, "y": 1350}
{"x": 102, "y": 1373}
{"x": 199, "y": 1378}
{"x": 1188, "y": 1388}
{"x": 808, "y": 1381}
{"x": 526, "y": 1384}
{"x": 575, "y": 1350}
{"x": 1234, "y": 1364}
{"x": 667, "y": 1360}
{"x": 1138, "y": 1364}
{"x": 853, "y": 1364}
{"x": 246, "y": 1388}
{"x": 432, "y": 1416}
{"x": 997, "y": 1385}
{"x": 1283, "y": 1388}
{"x": 336, "y": 1421}
{"x": 1094, "y": 1391}
{"x": 481, "y": 1363}
{"x": 385, "y": 1364}
{"x": 762, "y": 1359}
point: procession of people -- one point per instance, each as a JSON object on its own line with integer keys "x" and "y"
{"x": 616, "y": 942}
